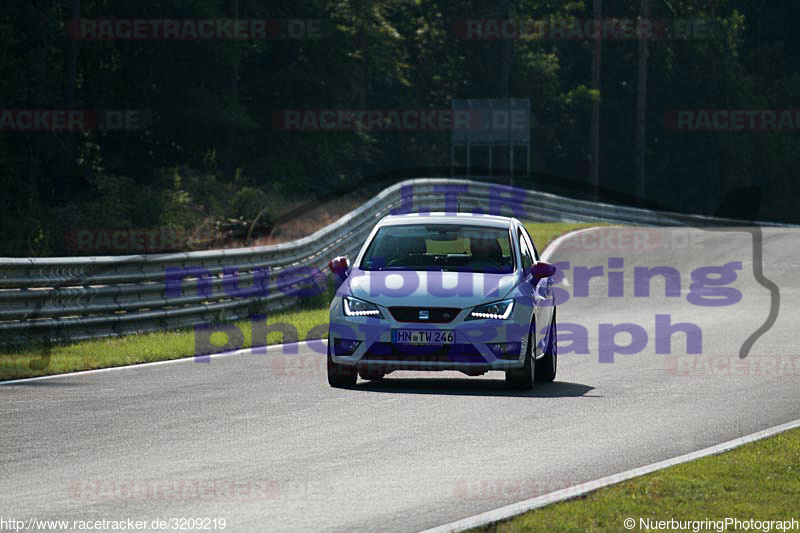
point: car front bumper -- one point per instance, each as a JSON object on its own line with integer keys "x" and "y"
{"x": 471, "y": 351}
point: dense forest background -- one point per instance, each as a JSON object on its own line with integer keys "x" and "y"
{"x": 210, "y": 152}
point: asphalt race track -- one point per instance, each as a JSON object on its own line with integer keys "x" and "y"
{"x": 414, "y": 452}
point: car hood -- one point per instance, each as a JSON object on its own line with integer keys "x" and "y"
{"x": 429, "y": 289}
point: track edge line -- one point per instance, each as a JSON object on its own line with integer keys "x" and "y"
{"x": 510, "y": 511}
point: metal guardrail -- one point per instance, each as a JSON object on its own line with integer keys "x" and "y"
{"x": 73, "y": 298}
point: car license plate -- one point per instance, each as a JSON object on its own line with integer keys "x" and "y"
{"x": 422, "y": 337}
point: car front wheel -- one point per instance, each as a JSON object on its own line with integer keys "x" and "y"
{"x": 522, "y": 378}
{"x": 340, "y": 376}
{"x": 546, "y": 366}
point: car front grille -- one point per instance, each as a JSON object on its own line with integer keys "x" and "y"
{"x": 436, "y": 315}
{"x": 454, "y": 353}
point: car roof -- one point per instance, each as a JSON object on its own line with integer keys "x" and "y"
{"x": 494, "y": 221}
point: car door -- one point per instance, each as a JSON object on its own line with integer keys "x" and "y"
{"x": 527, "y": 287}
{"x": 542, "y": 290}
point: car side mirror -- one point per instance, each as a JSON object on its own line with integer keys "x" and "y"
{"x": 339, "y": 266}
{"x": 542, "y": 269}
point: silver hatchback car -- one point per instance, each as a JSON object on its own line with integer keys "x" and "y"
{"x": 437, "y": 291}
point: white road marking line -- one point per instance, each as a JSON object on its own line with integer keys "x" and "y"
{"x": 243, "y": 351}
{"x": 510, "y": 511}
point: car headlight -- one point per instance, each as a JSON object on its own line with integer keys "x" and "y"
{"x": 356, "y": 307}
{"x": 496, "y": 310}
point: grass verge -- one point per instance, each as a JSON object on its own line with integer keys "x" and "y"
{"x": 543, "y": 233}
{"x": 759, "y": 481}
{"x": 142, "y": 348}
{"x": 159, "y": 346}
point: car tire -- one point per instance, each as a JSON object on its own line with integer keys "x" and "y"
{"x": 340, "y": 376}
{"x": 548, "y": 364}
{"x": 523, "y": 378}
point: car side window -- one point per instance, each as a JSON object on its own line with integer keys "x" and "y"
{"x": 525, "y": 252}
{"x": 528, "y": 238}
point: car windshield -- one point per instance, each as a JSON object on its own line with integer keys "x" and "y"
{"x": 442, "y": 247}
